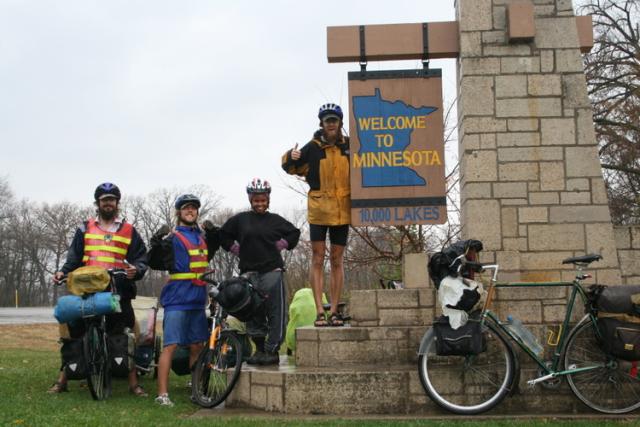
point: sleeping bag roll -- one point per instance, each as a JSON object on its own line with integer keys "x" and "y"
{"x": 72, "y": 307}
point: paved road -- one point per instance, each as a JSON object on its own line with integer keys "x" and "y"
{"x": 26, "y": 315}
{"x": 12, "y": 315}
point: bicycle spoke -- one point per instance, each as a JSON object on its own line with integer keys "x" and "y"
{"x": 610, "y": 388}
{"x": 217, "y": 371}
{"x": 472, "y": 384}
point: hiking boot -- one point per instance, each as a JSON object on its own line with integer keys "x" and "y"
{"x": 256, "y": 358}
{"x": 163, "y": 400}
{"x": 269, "y": 358}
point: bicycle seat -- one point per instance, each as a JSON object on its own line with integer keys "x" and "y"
{"x": 584, "y": 259}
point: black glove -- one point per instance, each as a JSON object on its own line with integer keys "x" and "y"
{"x": 208, "y": 226}
{"x": 160, "y": 234}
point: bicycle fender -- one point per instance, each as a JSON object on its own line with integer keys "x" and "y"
{"x": 423, "y": 342}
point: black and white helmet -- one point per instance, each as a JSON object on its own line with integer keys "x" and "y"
{"x": 258, "y": 186}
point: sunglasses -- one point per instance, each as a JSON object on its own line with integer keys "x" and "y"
{"x": 330, "y": 120}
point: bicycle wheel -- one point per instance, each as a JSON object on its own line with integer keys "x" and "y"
{"x": 216, "y": 371}
{"x": 613, "y": 387}
{"x": 97, "y": 359}
{"x": 468, "y": 385}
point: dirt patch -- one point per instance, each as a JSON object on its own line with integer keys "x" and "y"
{"x": 41, "y": 336}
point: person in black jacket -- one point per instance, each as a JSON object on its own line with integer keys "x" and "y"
{"x": 257, "y": 237}
{"x": 107, "y": 241}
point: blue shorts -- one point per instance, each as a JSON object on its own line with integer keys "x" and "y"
{"x": 184, "y": 327}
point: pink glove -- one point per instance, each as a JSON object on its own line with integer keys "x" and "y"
{"x": 235, "y": 249}
{"x": 282, "y": 244}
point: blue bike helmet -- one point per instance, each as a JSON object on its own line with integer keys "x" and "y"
{"x": 187, "y": 198}
{"x": 106, "y": 189}
{"x": 330, "y": 109}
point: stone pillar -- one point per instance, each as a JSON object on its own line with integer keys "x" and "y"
{"x": 414, "y": 271}
{"x": 531, "y": 182}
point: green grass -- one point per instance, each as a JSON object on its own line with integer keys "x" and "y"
{"x": 25, "y": 376}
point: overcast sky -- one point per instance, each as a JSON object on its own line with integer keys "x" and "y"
{"x": 163, "y": 94}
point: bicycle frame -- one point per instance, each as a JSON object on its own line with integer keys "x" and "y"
{"x": 216, "y": 325}
{"x": 551, "y": 371}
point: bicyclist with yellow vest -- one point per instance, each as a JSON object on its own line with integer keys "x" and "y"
{"x": 185, "y": 252}
{"x": 107, "y": 241}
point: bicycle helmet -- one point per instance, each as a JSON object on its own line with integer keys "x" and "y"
{"x": 258, "y": 186}
{"x": 330, "y": 109}
{"x": 187, "y": 198}
{"x": 106, "y": 189}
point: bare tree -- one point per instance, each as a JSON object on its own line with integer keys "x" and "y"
{"x": 613, "y": 75}
{"x": 59, "y": 222}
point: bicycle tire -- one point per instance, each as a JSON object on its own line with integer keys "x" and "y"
{"x": 96, "y": 357}
{"x": 468, "y": 385}
{"x": 216, "y": 371}
{"x": 614, "y": 388}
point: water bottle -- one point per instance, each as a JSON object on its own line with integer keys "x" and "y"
{"x": 525, "y": 335}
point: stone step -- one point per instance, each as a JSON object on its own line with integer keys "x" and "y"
{"x": 371, "y": 389}
{"x": 327, "y": 347}
{"x": 392, "y": 307}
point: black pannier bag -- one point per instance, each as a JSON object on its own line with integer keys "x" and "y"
{"x": 240, "y": 298}
{"x": 618, "y": 312}
{"x": 180, "y": 361}
{"x": 466, "y": 340}
{"x": 617, "y": 299}
{"x": 620, "y": 339}
{"x": 72, "y": 353}
{"x": 443, "y": 264}
{"x": 121, "y": 352}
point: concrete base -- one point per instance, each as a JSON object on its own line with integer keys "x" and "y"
{"x": 349, "y": 346}
{"x": 371, "y": 389}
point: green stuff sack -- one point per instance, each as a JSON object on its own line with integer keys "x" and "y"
{"x": 302, "y": 312}
{"x": 88, "y": 280}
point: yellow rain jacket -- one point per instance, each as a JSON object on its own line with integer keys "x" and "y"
{"x": 325, "y": 167}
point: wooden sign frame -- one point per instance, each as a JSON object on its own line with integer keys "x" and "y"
{"x": 397, "y": 148}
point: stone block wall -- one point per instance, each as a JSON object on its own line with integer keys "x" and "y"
{"x": 407, "y": 307}
{"x": 531, "y": 183}
{"x": 628, "y": 244}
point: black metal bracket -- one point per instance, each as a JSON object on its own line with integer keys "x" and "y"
{"x": 425, "y": 46}
{"x": 363, "y": 53}
{"x": 395, "y": 74}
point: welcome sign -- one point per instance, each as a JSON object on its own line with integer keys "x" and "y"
{"x": 397, "y": 148}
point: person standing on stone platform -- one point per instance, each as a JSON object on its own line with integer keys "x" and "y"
{"x": 257, "y": 237}
{"x": 324, "y": 163}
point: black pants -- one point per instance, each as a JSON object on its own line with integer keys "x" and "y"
{"x": 274, "y": 321}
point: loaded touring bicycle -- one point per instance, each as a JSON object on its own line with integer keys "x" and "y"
{"x": 471, "y": 369}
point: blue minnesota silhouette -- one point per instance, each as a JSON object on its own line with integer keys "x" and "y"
{"x": 367, "y": 107}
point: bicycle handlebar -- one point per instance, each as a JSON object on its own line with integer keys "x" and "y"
{"x": 113, "y": 272}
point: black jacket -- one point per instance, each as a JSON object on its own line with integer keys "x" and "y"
{"x": 257, "y": 235}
